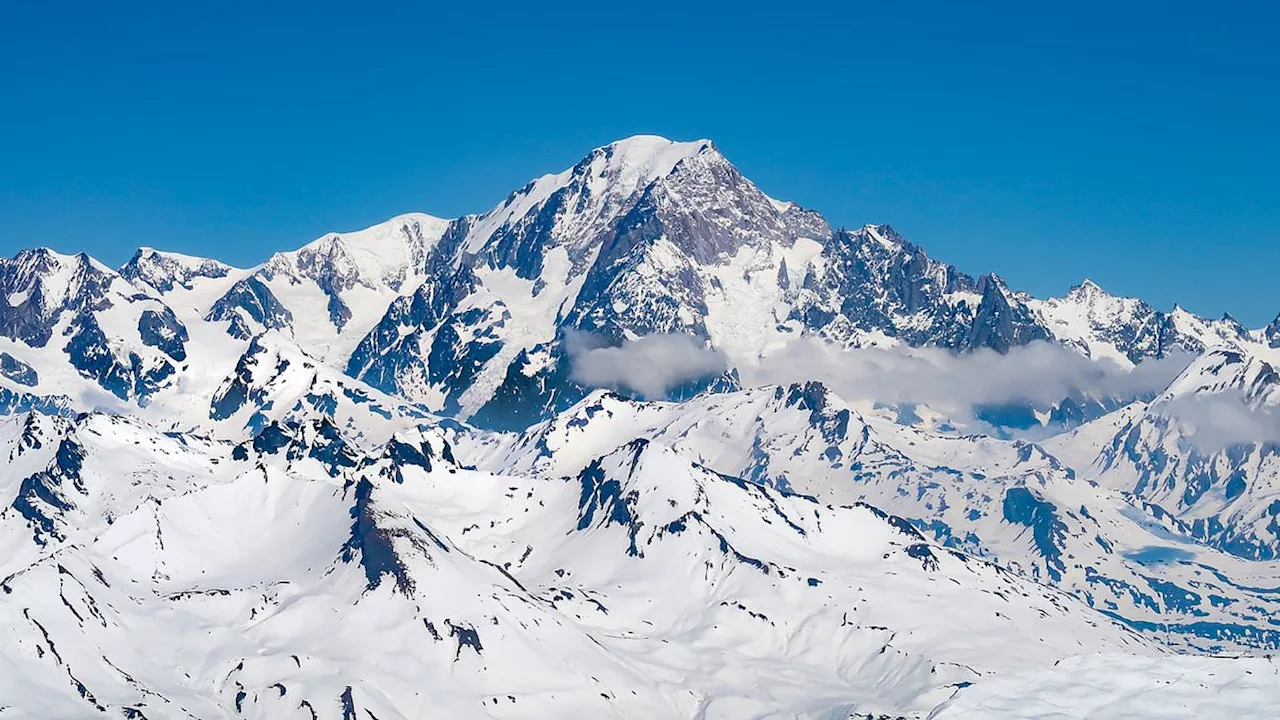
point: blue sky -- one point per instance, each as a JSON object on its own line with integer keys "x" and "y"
{"x": 1135, "y": 143}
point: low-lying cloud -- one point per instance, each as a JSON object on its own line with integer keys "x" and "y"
{"x": 649, "y": 366}
{"x": 1214, "y": 422}
{"x": 956, "y": 385}
{"x": 1037, "y": 373}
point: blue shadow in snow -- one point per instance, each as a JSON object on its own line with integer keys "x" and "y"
{"x": 1159, "y": 555}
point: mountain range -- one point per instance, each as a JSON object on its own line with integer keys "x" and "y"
{"x": 639, "y": 441}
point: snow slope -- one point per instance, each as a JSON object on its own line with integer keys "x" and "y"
{"x": 1203, "y": 453}
{"x": 330, "y": 292}
{"x": 1008, "y": 502}
{"x": 1111, "y": 687}
{"x": 300, "y": 574}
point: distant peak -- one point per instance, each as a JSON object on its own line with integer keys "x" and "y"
{"x": 1223, "y": 370}
{"x": 148, "y": 256}
{"x": 994, "y": 281}
{"x": 884, "y": 235}
{"x": 1086, "y": 289}
{"x": 382, "y": 245}
{"x": 150, "y": 252}
{"x": 41, "y": 253}
{"x": 1272, "y": 333}
{"x": 44, "y": 259}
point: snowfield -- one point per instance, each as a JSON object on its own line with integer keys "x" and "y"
{"x": 1125, "y": 686}
{"x": 253, "y": 580}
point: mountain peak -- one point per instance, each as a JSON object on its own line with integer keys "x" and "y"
{"x": 59, "y": 275}
{"x": 163, "y": 271}
{"x": 44, "y": 257}
{"x": 885, "y": 235}
{"x": 149, "y": 253}
{"x": 995, "y": 282}
{"x": 634, "y": 162}
{"x": 1272, "y": 333}
{"x": 391, "y": 231}
{"x": 586, "y": 197}
{"x": 1087, "y": 289}
{"x": 1225, "y": 370}
{"x": 641, "y": 149}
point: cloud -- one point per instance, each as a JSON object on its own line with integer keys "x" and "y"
{"x": 1213, "y": 422}
{"x": 1040, "y": 373}
{"x": 955, "y": 385}
{"x": 93, "y": 399}
{"x": 649, "y": 366}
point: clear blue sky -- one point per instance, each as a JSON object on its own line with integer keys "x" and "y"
{"x": 1132, "y": 142}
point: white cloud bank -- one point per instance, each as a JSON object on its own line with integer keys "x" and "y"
{"x": 1214, "y": 422}
{"x": 650, "y": 366}
{"x": 1038, "y": 373}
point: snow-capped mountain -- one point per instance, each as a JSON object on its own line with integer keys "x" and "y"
{"x": 1203, "y": 453}
{"x": 66, "y": 319}
{"x": 645, "y": 237}
{"x": 1008, "y": 502}
{"x": 476, "y": 317}
{"x": 329, "y": 293}
{"x": 1128, "y": 329}
{"x": 299, "y": 574}
{"x": 166, "y": 272}
{"x": 1271, "y": 334}
{"x": 276, "y": 381}
{"x": 624, "y": 244}
{"x": 371, "y": 478}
